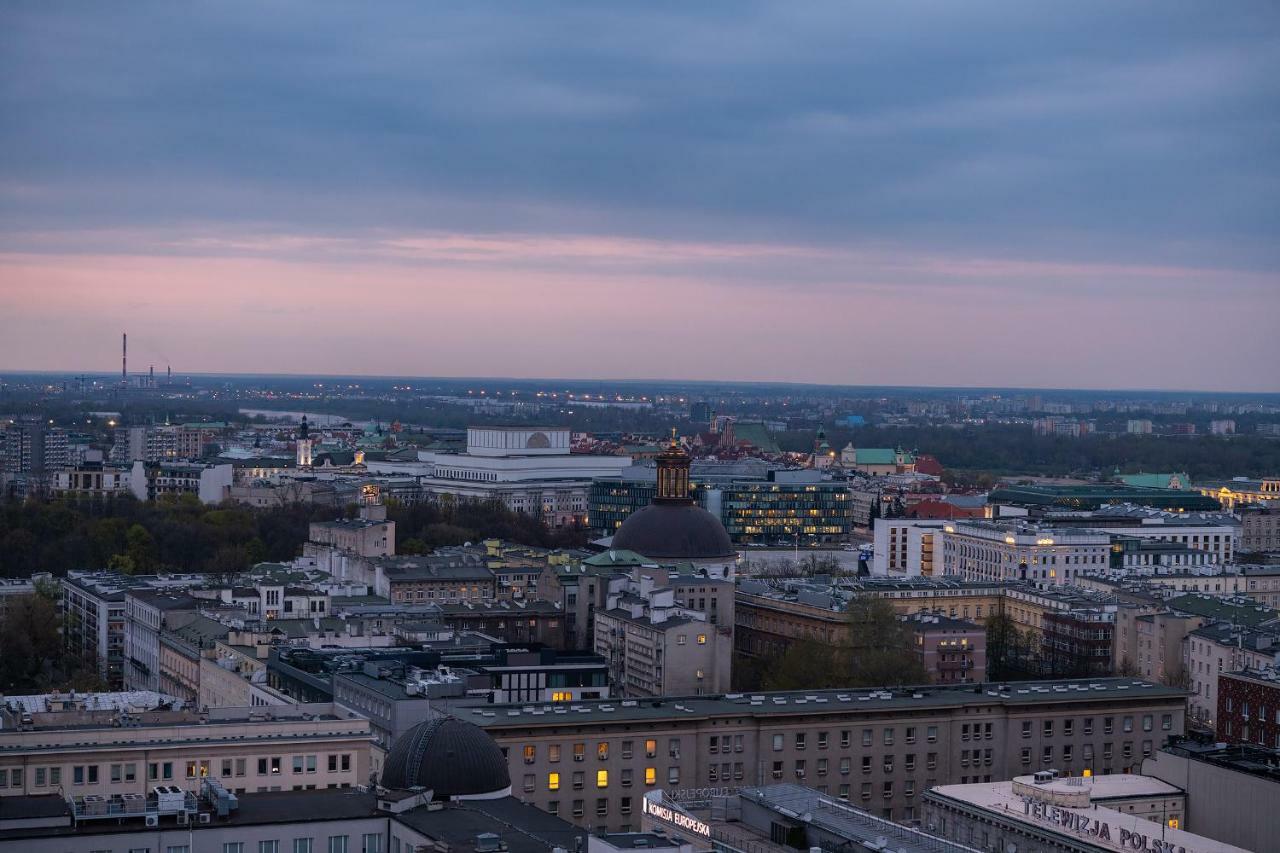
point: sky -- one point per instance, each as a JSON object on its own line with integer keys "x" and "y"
{"x": 1024, "y": 194}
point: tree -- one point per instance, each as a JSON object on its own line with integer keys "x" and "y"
{"x": 806, "y": 665}
{"x": 880, "y": 646}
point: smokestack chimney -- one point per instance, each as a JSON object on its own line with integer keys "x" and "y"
{"x": 168, "y": 376}
{"x": 151, "y": 376}
{"x": 124, "y": 357}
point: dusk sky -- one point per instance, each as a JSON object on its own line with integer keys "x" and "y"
{"x": 1079, "y": 194}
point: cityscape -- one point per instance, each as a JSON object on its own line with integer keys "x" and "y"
{"x": 596, "y": 428}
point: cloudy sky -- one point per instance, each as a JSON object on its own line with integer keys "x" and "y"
{"x": 1075, "y": 194}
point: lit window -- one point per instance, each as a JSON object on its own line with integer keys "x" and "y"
{"x": 702, "y": 639}
{"x": 602, "y": 778}
{"x": 650, "y": 776}
{"x": 553, "y": 781}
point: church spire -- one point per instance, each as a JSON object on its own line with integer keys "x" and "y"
{"x": 673, "y": 474}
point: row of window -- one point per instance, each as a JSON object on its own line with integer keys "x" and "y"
{"x": 578, "y": 778}
{"x": 90, "y": 774}
{"x": 1108, "y": 725}
{"x": 369, "y": 843}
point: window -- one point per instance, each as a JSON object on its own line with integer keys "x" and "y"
{"x": 844, "y": 738}
{"x": 866, "y": 737}
{"x": 602, "y": 807}
{"x": 337, "y": 844}
{"x": 302, "y": 845}
{"x": 578, "y": 780}
{"x": 673, "y": 775}
{"x": 298, "y": 762}
{"x": 1047, "y": 758}
{"x": 579, "y": 752}
{"x": 1026, "y": 728}
{"x": 626, "y": 777}
{"x": 93, "y": 774}
{"x": 702, "y": 639}
{"x": 626, "y": 748}
{"x": 800, "y": 769}
{"x": 1146, "y": 722}
{"x": 602, "y": 750}
{"x": 1108, "y": 725}
{"x": 530, "y": 753}
{"x": 777, "y": 743}
{"x": 911, "y": 734}
{"x": 866, "y": 764}
{"x": 177, "y": 848}
{"x": 822, "y": 767}
{"x": 844, "y": 766}
{"x": 553, "y": 807}
{"x": 932, "y": 734}
{"x": 650, "y": 776}
{"x": 909, "y": 763}
{"x": 233, "y": 847}
{"x": 673, "y": 747}
{"x": 1068, "y": 727}
{"x": 1048, "y": 728}
{"x": 530, "y": 783}
{"x": 822, "y": 740}
{"x": 371, "y": 842}
{"x": 651, "y": 749}
{"x": 1128, "y": 724}
{"x": 777, "y": 769}
{"x": 553, "y": 753}
{"x": 1166, "y": 720}
{"x": 269, "y": 846}
{"x": 1088, "y": 725}
{"x": 800, "y": 739}
{"x": 602, "y": 778}
{"x": 553, "y": 781}
{"x": 624, "y": 805}
{"x": 888, "y": 737}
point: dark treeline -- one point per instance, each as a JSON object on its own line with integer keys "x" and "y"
{"x": 423, "y": 526}
{"x": 181, "y": 534}
{"x": 135, "y": 536}
{"x": 1017, "y": 450}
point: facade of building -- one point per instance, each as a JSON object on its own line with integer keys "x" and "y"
{"x": 881, "y": 750}
{"x": 211, "y": 483}
{"x": 1249, "y": 707}
{"x": 104, "y": 753}
{"x": 1259, "y": 528}
{"x": 907, "y": 547}
{"x": 655, "y": 646}
{"x": 1231, "y": 791}
{"x": 1043, "y": 813}
{"x": 952, "y": 651}
{"x": 1223, "y": 647}
{"x": 1016, "y": 551}
{"x": 147, "y": 614}
{"x": 1241, "y": 491}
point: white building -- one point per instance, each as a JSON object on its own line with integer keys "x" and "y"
{"x": 1213, "y": 649}
{"x": 530, "y": 469}
{"x": 907, "y": 546}
{"x": 1007, "y": 551}
{"x": 211, "y": 483}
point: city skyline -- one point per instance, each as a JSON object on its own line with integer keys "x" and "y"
{"x": 1003, "y": 196}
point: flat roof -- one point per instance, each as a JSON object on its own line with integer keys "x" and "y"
{"x": 801, "y": 702}
{"x": 998, "y": 800}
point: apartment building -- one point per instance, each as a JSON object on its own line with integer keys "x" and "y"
{"x": 148, "y": 613}
{"x": 82, "y": 752}
{"x": 656, "y": 646}
{"x": 1249, "y": 707}
{"x": 1222, "y": 647}
{"x": 592, "y": 762}
{"x": 1260, "y": 527}
{"x": 952, "y": 651}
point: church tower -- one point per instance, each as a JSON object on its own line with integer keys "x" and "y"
{"x": 673, "y": 476}
{"x": 304, "y": 444}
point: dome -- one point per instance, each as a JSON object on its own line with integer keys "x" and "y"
{"x": 451, "y": 757}
{"x": 674, "y": 531}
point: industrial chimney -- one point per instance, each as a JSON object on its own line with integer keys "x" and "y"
{"x": 124, "y": 358}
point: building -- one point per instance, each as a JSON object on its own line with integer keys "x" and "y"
{"x": 445, "y": 788}
{"x": 1222, "y": 427}
{"x": 780, "y": 817}
{"x": 655, "y": 646}
{"x": 89, "y": 481}
{"x": 1242, "y": 490}
{"x": 530, "y": 469}
{"x": 83, "y": 751}
{"x": 877, "y": 749}
{"x": 1215, "y": 533}
{"x": 33, "y": 447}
{"x": 1259, "y": 527}
{"x": 1139, "y": 426}
{"x": 906, "y": 547}
{"x": 210, "y": 482}
{"x": 1249, "y": 707}
{"x": 951, "y": 650}
{"x": 1231, "y": 791}
{"x": 1008, "y": 551}
{"x": 877, "y": 461}
{"x": 1220, "y": 647}
{"x": 1039, "y": 497}
{"x": 94, "y": 606}
{"x": 148, "y": 613}
{"x": 675, "y": 529}
{"x": 1043, "y": 813}
{"x": 370, "y": 535}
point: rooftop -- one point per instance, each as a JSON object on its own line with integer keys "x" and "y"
{"x": 798, "y": 703}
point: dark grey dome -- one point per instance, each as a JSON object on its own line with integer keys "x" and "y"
{"x": 451, "y": 757}
{"x": 674, "y": 531}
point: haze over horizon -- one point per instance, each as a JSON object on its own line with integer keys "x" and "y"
{"x": 991, "y": 194}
